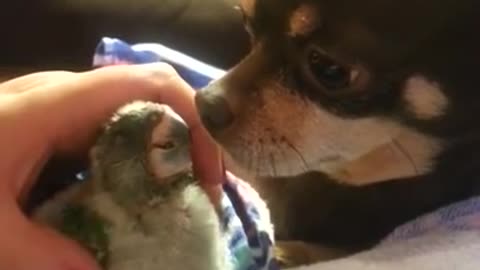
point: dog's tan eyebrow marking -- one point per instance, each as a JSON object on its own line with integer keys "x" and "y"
{"x": 248, "y": 7}
{"x": 424, "y": 99}
{"x": 303, "y": 20}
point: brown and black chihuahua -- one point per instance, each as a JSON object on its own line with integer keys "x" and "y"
{"x": 352, "y": 117}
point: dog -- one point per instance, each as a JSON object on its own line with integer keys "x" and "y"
{"x": 351, "y": 117}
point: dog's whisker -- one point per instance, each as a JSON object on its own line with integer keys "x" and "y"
{"x": 246, "y": 156}
{"x": 299, "y": 154}
{"x": 257, "y": 163}
{"x": 285, "y": 158}
{"x": 262, "y": 154}
{"x": 249, "y": 159}
{"x": 407, "y": 155}
{"x": 250, "y": 164}
{"x": 272, "y": 164}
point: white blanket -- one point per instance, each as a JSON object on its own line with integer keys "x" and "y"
{"x": 448, "y": 239}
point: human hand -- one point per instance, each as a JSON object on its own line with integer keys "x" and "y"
{"x": 59, "y": 112}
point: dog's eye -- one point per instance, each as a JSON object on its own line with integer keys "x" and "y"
{"x": 325, "y": 71}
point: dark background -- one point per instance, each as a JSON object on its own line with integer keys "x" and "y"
{"x": 62, "y": 34}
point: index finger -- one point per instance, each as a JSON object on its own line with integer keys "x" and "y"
{"x": 75, "y": 109}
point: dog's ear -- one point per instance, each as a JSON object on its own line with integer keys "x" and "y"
{"x": 247, "y": 7}
{"x": 303, "y": 20}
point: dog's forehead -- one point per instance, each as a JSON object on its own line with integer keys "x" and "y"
{"x": 382, "y": 33}
{"x": 381, "y": 15}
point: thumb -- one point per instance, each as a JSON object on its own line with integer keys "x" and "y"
{"x": 33, "y": 246}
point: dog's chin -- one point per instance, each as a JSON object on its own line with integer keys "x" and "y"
{"x": 405, "y": 156}
{"x": 250, "y": 166}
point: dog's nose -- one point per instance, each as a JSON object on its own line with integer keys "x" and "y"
{"x": 214, "y": 111}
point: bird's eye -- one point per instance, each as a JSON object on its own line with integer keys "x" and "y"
{"x": 168, "y": 145}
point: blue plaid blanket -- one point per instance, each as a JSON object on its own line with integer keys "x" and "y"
{"x": 111, "y": 51}
{"x": 244, "y": 216}
{"x": 248, "y": 226}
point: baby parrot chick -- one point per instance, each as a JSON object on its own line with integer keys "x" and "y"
{"x": 141, "y": 208}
